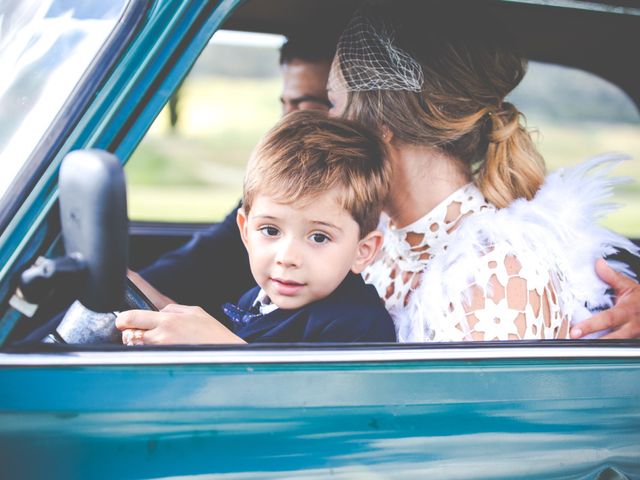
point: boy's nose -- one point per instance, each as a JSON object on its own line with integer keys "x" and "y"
{"x": 289, "y": 254}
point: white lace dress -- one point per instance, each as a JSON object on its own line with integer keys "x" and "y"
{"x": 468, "y": 271}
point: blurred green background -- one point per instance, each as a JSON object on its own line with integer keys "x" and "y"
{"x": 193, "y": 172}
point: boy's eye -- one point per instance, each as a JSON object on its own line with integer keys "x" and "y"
{"x": 269, "y": 231}
{"x": 319, "y": 238}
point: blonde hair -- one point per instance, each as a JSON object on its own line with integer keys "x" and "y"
{"x": 461, "y": 108}
{"x": 307, "y": 154}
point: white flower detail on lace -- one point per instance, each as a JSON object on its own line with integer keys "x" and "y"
{"x": 496, "y": 320}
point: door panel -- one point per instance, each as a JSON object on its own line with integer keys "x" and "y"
{"x": 441, "y": 418}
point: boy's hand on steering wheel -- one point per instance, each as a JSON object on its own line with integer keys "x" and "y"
{"x": 174, "y": 324}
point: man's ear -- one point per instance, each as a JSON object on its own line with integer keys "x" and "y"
{"x": 368, "y": 249}
{"x": 387, "y": 134}
{"x": 241, "y": 220}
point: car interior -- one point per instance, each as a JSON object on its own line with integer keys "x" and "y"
{"x": 167, "y": 107}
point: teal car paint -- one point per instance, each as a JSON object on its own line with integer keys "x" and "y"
{"x": 511, "y": 410}
{"x": 412, "y": 413}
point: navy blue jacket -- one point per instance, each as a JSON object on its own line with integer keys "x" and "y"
{"x": 209, "y": 270}
{"x": 352, "y": 313}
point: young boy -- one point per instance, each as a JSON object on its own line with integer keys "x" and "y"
{"x": 312, "y": 199}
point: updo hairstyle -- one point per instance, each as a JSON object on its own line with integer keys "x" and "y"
{"x": 468, "y": 68}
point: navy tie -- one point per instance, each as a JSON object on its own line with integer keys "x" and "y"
{"x": 240, "y": 316}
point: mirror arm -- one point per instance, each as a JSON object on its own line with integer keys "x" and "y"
{"x": 37, "y": 282}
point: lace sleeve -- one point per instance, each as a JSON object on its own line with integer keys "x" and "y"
{"x": 512, "y": 302}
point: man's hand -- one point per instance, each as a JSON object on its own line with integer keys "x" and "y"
{"x": 623, "y": 319}
{"x": 174, "y": 324}
{"x": 157, "y": 298}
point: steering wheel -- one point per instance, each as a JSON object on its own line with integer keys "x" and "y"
{"x": 83, "y": 326}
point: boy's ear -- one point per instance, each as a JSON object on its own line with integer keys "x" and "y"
{"x": 368, "y": 249}
{"x": 241, "y": 220}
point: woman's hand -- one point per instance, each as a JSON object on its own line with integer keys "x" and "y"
{"x": 158, "y": 299}
{"x": 174, "y": 324}
{"x": 623, "y": 319}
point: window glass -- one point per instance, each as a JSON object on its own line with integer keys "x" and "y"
{"x": 190, "y": 165}
{"x": 45, "y": 47}
{"x": 576, "y": 115}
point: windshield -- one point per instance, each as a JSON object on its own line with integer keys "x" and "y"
{"x": 45, "y": 47}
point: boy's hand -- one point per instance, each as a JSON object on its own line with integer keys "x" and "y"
{"x": 174, "y": 324}
{"x": 623, "y": 319}
{"x": 157, "y": 298}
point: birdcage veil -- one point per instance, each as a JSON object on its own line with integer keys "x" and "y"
{"x": 369, "y": 58}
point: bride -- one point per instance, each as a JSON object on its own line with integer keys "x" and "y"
{"x": 476, "y": 247}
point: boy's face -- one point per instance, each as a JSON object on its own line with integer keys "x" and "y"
{"x": 301, "y": 253}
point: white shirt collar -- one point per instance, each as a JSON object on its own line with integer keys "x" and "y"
{"x": 264, "y": 303}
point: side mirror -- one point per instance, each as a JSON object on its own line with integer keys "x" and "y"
{"x": 93, "y": 212}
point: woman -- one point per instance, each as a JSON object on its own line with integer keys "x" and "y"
{"x": 434, "y": 88}
{"x": 454, "y": 266}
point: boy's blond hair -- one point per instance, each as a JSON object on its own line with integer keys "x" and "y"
{"x": 308, "y": 153}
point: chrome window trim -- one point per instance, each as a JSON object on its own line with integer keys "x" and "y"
{"x": 331, "y": 355}
{"x": 583, "y": 5}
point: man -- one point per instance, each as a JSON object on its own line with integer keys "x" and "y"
{"x": 213, "y": 266}
{"x": 305, "y": 66}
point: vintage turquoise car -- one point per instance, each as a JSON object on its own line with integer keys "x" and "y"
{"x": 95, "y": 75}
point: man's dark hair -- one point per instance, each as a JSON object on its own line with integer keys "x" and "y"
{"x": 310, "y": 48}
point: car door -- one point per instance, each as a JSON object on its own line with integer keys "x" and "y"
{"x": 484, "y": 411}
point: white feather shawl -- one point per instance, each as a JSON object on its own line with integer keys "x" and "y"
{"x": 555, "y": 234}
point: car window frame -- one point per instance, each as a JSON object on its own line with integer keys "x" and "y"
{"x": 537, "y": 345}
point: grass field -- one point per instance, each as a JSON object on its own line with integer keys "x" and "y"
{"x": 195, "y": 174}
